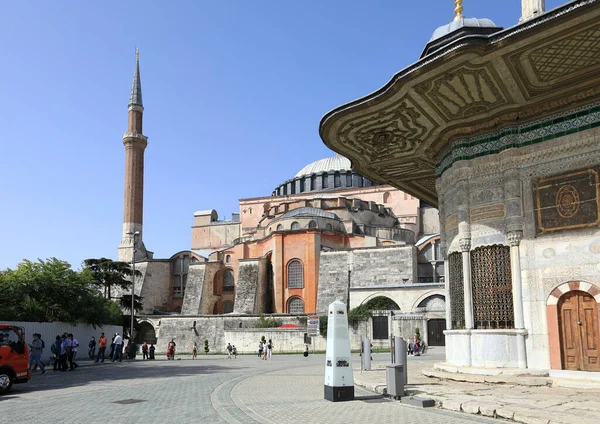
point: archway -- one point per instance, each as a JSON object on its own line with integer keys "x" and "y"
{"x": 146, "y": 334}
{"x": 573, "y": 331}
{"x": 381, "y": 303}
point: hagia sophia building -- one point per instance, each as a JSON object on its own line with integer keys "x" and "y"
{"x": 327, "y": 233}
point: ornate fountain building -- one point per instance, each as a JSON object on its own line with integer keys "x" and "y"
{"x": 498, "y": 128}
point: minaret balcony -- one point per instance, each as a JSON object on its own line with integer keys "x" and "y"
{"x": 134, "y": 134}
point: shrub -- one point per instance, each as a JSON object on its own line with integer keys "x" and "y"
{"x": 206, "y": 349}
{"x": 269, "y": 322}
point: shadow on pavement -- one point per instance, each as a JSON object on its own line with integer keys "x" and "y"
{"x": 88, "y": 374}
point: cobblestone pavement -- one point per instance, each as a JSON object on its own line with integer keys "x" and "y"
{"x": 509, "y": 400}
{"x": 288, "y": 389}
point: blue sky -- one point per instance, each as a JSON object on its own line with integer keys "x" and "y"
{"x": 233, "y": 94}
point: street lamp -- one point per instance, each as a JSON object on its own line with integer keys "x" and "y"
{"x": 134, "y": 234}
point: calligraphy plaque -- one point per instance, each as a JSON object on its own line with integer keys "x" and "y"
{"x": 568, "y": 201}
{"x": 483, "y": 213}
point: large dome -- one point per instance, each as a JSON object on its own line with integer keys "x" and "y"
{"x": 334, "y": 173}
{"x": 332, "y": 164}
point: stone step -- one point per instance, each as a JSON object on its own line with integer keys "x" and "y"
{"x": 521, "y": 380}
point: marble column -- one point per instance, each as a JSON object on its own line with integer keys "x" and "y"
{"x": 447, "y": 291}
{"x": 465, "y": 247}
{"x": 514, "y": 240}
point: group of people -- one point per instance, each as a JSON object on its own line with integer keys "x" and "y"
{"x": 415, "y": 346}
{"x": 265, "y": 350}
{"x": 231, "y": 351}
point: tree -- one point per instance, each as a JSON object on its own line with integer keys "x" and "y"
{"x": 51, "y": 291}
{"x": 125, "y": 303}
{"x": 109, "y": 274}
{"x": 206, "y": 349}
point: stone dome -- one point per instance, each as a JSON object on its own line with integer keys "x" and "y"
{"x": 461, "y": 23}
{"x": 332, "y": 164}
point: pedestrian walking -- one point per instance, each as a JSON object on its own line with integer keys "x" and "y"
{"x": 234, "y": 351}
{"x": 306, "y": 350}
{"x": 171, "y": 350}
{"x": 151, "y": 350}
{"x": 265, "y": 351}
{"x": 144, "y": 351}
{"x": 260, "y": 349}
{"x": 62, "y": 358}
{"x": 118, "y": 353}
{"x": 229, "y": 350}
{"x": 101, "y": 347}
{"x": 269, "y": 349}
{"x": 411, "y": 347}
{"x": 55, "y": 349}
{"x": 92, "y": 348}
{"x": 194, "y": 350}
{"x": 35, "y": 353}
{"x": 74, "y": 344}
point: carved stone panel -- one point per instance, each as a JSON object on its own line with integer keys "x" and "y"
{"x": 568, "y": 201}
{"x": 464, "y": 91}
{"x": 387, "y": 134}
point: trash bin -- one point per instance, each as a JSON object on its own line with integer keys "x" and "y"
{"x": 394, "y": 377}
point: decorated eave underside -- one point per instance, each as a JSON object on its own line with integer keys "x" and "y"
{"x": 474, "y": 86}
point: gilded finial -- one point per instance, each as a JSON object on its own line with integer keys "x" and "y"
{"x": 458, "y": 10}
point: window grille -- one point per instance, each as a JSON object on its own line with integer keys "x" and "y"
{"x": 492, "y": 287}
{"x": 180, "y": 270}
{"x": 312, "y": 224}
{"x": 313, "y": 183}
{"x": 380, "y": 328}
{"x": 329, "y": 227}
{"x": 325, "y": 181}
{"x": 295, "y": 226}
{"x": 302, "y": 185}
{"x": 228, "y": 281}
{"x": 457, "y": 291}
{"x": 295, "y": 306}
{"x": 295, "y": 275}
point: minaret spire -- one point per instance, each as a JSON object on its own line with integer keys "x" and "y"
{"x": 136, "y": 88}
{"x": 135, "y": 143}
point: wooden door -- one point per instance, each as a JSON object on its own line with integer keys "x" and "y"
{"x": 435, "y": 330}
{"x": 578, "y": 324}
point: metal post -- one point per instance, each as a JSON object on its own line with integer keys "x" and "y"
{"x": 401, "y": 355}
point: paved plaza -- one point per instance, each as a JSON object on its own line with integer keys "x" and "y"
{"x": 211, "y": 389}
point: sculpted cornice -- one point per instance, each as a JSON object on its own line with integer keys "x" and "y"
{"x": 470, "y": 87}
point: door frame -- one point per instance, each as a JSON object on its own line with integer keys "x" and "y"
{"x": 552, "y": 316}
{"x": 443, "y": 336}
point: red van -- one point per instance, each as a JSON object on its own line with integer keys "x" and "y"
{"x": 14, "y": 357}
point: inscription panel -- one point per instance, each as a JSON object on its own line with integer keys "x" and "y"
{"x": 488, "y": 212}
{"x": 567, "y": 201}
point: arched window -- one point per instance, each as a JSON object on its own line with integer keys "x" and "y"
{"x": 227, "y": 259}
{"x": 295, "y": 306}
{"x": 313, "y": 182}
{"x": 325, "y": 181}
{"x": 285, "y": 190}
{"x": 280, "y": 227}
{"x": 295, "y": 226}
{"x": 227, "y": 307}
{"x": 228, "y": 281}
{"x": 295, "y": 275}
{"x": 180, "y": 272}
{"x": 329, "y": 227}
{"x": 348, "y": 179}
{"x": 312, "y": 224}
{"x": 302, "y": 185}
{"x": 337, "y": 181}
{"x": 293, "y": 187}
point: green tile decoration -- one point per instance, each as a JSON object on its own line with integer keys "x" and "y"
{"x": 520, "y": 136}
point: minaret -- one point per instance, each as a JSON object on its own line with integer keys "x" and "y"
{"x": 135, "y": 144}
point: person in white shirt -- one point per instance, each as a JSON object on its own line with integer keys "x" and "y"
{"x": 269, "y": 349}
{"x": 118, "y": 348}
{"x": 72, "y": 344}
